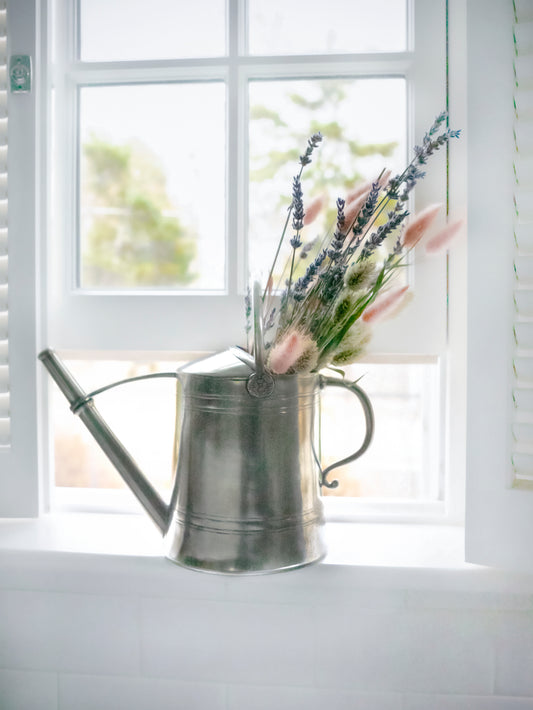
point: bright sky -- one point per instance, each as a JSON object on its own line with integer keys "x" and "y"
{"x": 184, "y": 124}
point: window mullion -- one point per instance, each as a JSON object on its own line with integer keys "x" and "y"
{"x": 145, "y": 72}
{"x": 235, "y": 194}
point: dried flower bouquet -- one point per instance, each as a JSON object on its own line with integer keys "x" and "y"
{"x": 324, "y": 317}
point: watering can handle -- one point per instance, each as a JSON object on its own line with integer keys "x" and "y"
{"x": 260, "y": 384}
{"x": 369, "y": 421}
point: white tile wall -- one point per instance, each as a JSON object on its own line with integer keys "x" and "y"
{"x": 514, "y": 653}
{"x": 25, "y": 690}
{"x": 56, "y": 631}
{"x": 82, "y": 692}
{"x": 272, "y": 697}
{"x": 83, "y": 632}
{"x": 228, "y": 641}
{"x": 465, "y": 702}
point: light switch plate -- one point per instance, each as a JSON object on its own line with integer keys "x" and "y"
{"x": 20, "y": 74}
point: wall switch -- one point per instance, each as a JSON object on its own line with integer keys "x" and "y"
{"x": 20, "y": 74}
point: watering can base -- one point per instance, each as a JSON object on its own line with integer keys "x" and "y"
{"x": 227, "y": 570}
{"x": 247, "y": 554}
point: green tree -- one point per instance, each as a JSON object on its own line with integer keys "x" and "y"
{"x": 335, "y": 166}
{"x": 283, "y": 115}
{"x": 130, "y": 236}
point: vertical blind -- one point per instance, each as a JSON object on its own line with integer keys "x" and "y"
{"x": 522, "y": 442}
{"x": 4, "y": 360}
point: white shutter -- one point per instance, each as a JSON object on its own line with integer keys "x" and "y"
{"x": 522, "y": 424}
{"x": 4, "y": 363}
{"x": 19, "y": 489}
{"x": 499, "y": 502}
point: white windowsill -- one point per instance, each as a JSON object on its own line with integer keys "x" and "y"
{"x": 375, "y": 554}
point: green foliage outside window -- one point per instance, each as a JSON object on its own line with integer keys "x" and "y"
{"x": 132, "y": 237}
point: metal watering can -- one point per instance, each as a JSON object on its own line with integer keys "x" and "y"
{"x": 246, "y": 496}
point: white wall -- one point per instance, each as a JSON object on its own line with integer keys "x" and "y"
{"x": 111, "y": 631}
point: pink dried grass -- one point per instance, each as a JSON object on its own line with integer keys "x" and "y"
{"x": 384, "y": 305}
{"x": 440, "y": 241}
{"x": 313, "y": 210}
{"x": 418, "y": 226}
{"x": 288, "y": 351}
{"x": 351, "y": 211}
{"x": 365, "y": 187}
{"x": 358, "y": 190}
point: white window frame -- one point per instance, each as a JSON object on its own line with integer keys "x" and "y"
{"x": 90, "y": 320}
{"x": 499, "y": 519}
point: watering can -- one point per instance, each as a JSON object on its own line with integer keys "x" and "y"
{"x": 246, "y": 495}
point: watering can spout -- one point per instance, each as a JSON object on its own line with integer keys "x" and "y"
{"x": 83, "y": 405}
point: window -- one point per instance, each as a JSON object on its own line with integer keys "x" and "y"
{"x": 212, "y": 179}
{"x": 209, "y": 158}
{"x": 498, "y": 517}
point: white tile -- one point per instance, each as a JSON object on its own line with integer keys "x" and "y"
{"x": 290, "y": 698}
{"x": 465, "y": 702}
{"x": 311, "y": 586}
{"x": 226, "y": 642}
{"x": 106, "y": 574}
{"x": 28, "y": 690}
{"x": 69, "y": 632}
{"x": 289, "y": 587}
{"x": 361, "y": 649}
{"x": 86, "y": 692}
{"x": 514, "y": 653}
{"x": 450, "y": 652}
{"x": 437, "y": 651}
{"x": 449, "y": 599}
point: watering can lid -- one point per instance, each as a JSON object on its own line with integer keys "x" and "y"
{"x": 234, "y": 362}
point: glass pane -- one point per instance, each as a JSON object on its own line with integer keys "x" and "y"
{"x": 363, "y": 122}
{"x": 336, "y": 26}
{"x": 152, "y": 186}
{"x": 124, "y": 30}
{"x": 401, "y": 463}
{"x": 403, "y": 459}
{"x": 142, "y": 415}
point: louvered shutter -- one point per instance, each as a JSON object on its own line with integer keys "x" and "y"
{"x": 4, "y": 361}
{"x": 499, "y": 464}
{"x": 19, "y": 480}
{"x": 522, "y": 425}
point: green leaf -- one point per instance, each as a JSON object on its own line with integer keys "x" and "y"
{"x": 259, "y": 111}
{"x": 337, "y": 370}
{"x": 359, "y": 150}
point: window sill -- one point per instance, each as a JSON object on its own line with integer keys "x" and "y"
{"x": 366, "y": 554}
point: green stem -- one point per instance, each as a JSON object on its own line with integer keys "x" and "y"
{"x": 289, "y": 212}
{"x": 290, "y": 277}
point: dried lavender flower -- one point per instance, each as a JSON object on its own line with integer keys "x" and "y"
{"x": 324, "y": 315}
{"x": 312, "y": 143}
{"x": 378, "y": 237}
{"x": 271, "y": 320}
{"x": 298, "y": 213}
